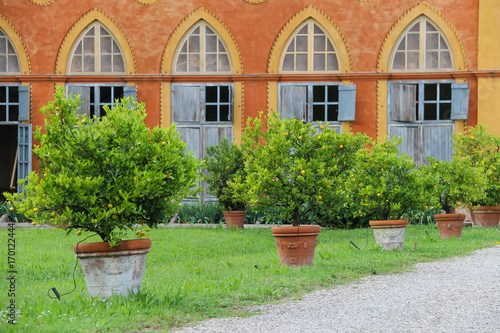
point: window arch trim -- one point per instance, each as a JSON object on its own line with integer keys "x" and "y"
{"x": 80, "y": 26}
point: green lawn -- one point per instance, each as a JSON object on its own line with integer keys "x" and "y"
{"x": 198, "y": 273}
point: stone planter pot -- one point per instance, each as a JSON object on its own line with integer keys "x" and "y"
{"x": 234, "y": 218}
{"x": 109, "y": 270}
{"x": 296, "y": 245}
{"x": 390, "y": 234}
{"x": 486, "y": 216}
{"x": 450, "y": 225}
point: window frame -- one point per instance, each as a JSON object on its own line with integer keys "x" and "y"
{"x": 7, "y": 55}
{"x": 97, "y": 93}
{"x": 310, "y": 50}
{"x": 7, "y": 104}
{"x": 97, "y": 52}
{"x": 422, "y": 48}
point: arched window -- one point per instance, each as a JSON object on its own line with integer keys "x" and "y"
{"x": 422, "y": 47}
{"x": 202, "y": 51}
{"x": 9, "y": 63}
{"x": 309, "y": 49}
{"x": 96, "y": 51}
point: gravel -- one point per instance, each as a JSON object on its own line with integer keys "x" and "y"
{"x": 452, "y": 295}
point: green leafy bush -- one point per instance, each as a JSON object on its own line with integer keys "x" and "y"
{"x": 105, "y": 175}
{"x": 14, "y": 215}
{"x": 293, "y": 167}
{"x": 385, "y": 185}
{"x": 456, "y": 183}
{"x": 483, "y": 148}
{"x": 200, "y": 212}
{"x": 223, "y": 163}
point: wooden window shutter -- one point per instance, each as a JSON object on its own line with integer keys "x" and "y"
{"x": 186, "y": 103}
{"x": 84, "y": 93}
{"x": 347, "y": 102}
{"x": 293, "y": 102}
{"x": 403, "y": 98}
{"x": 24, "y": 103}
{"x": 23, "y": 153}
{"x": 130, "y": 91}
{"x": 459, "y": 101}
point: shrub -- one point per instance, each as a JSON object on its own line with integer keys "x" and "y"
{"x": 200, "y": 212}
{"x": 105, "y": 175}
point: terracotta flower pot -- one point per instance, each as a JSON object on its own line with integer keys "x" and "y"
{"x": 486, "y": 216}
{"x": 296, "y": 245}
{"x": 390, "y": 234}
{"x": 109, "y": 270}
{"x": 450, "y": 225}
{"x": 234, "y": 218}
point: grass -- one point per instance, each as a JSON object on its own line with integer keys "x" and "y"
{"x": 198, "y": 273}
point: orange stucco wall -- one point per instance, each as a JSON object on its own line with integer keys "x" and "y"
{"x": 254, "y": 27}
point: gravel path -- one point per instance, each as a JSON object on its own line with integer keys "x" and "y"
{"x": 453, "y": 295}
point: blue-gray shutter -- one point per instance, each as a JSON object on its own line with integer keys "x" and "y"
{"x": 411, "y": 138}
{"x": 130, "y": 91}
{"x": 437, "y": 142}
{"x": 347, "y": 102}
{"x": 84, "y": 93}
{"x": 24, "y": 103}
{"x": 403, "y": 98}
{"x": 459, "y": 101}
{"x": 293, "y": 102}
{"x": 23, "y": 152}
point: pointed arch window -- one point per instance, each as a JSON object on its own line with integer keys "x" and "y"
{"x": 202, "y": 51}
{"x": 422, "y": 47}
{"x": 309, "y": 49}
{"x": 96, "y": 51}
{"x": 9, "y": 63}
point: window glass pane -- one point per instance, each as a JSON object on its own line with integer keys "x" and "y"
{"x": 430, "y": 27}
{"x": 319, "y": 43}
{"x": 431, "y": 60}
{"x": 301, "y": 62}
{"x": 301, "y": 42}
{"x": 118, "y": 65}
{"x": 224, "y": 113}
{"x": 317, "y": 30}
{"x": 319, "y": 62}
{"x": 13, "y": 95}
{"x": 3, "y": 64}
{"x": 105, "y": 63}
{"x": 399, "y": 61}
{"x": 88, "y": 45}
{"x": 430, "y": 92}
{"x": 332, "y": 62}
{"x": 319, "y": 94}
{"x": 194, "y": 62}
{"x": 303, "y": 31}
{"x": 288, "y": 63}
{"x": 413, "y": 41}
{"x": 333, "y": 113}
{"x": 211, "y": 43}
{"x": 88, "y": 63}
{"x": 329, "y": 46}
{"x": 3, "y": 45}
{"x": 106, "y": 95}
{"x": 194, "y": 43}
{"x": 76, "y": 64}
{"x": 224, "y": 94}
{"x": 184, "y": 47}
{"x": 106, "y": 44}
{"x": 211, "y": 63}
{"x": 430, "y": 111}
{"x": 445, "y": 111}
{"x": 319, "y": 113}
{"x": 224, "y": 63}
{"x": 13, "y": 112}
{"x": 291, "y": 47}
{"x": 211, "y": 94}
{"x": 402, "y": 44}
{"x": 181, "y": 63}
{"x": 432, "y": 41}
{"x": 211, "y": 113}
{"x": 445, "y": 92}
{"x": 445, "y": 60}
{"x": 415, "y": 28}
{"x": 13, "y": 64}
{"x": 3, "y": 94}
{"x": 3, "y": 113}
{"x": 412, "y": 60}
{"x": 333, "y": 94}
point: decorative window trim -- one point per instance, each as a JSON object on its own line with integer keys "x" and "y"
{"x": 19, "y": 46}
{"x": 343, "y": 53}
{"x": 439, "y": 20}
{"x": 202, "y": 52}
{"x": 255, "y": 2}
{"x": 167, "y": 63}
{"x": 76, "y": 30}
{"x": 42, "y": 2}
{"x": 147, "y": 2}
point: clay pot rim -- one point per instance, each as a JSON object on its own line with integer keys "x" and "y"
{"x": 388, "y": 223}
{"x": 449, "y": 216}
{"x": 126, "y": 245}
{"x": 234, "y": 212}
{"x": 485, "y": 208}
{"x": 306, "y": 230}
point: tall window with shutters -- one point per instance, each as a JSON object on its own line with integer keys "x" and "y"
{"x": 311, "y": 50}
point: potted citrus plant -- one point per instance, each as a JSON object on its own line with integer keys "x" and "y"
{"x": 456, "y": 183}
{"x": 106, "y": 176}
{"x": 483, "y": 148}
{"x": 384, "y": 186}
{"x": 291, "y": 168}
{"x": 223, "y": 163}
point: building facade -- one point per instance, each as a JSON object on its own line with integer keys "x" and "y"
{"x": 421, "y": 70}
